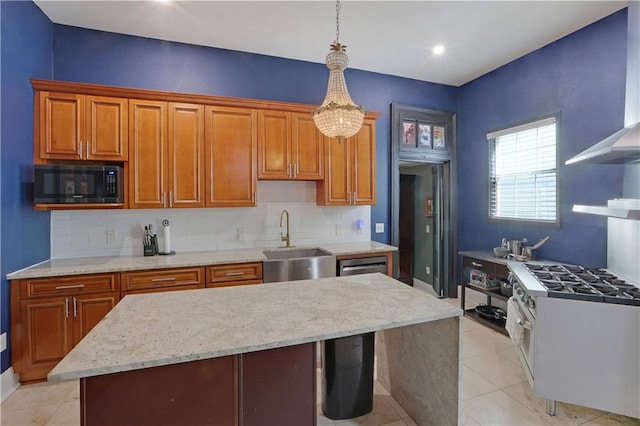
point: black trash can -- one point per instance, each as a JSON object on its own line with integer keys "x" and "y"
{"x": 347, "y": 376}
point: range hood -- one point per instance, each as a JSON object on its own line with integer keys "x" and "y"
{"x": 621, "y": 147}
{"x": 624, "y": 145}
{"x": 618, "y": 208}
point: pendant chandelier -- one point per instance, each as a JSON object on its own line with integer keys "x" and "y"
{"x": 338, "y": 116}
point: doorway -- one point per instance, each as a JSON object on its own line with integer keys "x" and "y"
{"x": 423, "y": 211}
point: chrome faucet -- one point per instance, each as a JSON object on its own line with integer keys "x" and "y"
{"x": 286, "y": 237}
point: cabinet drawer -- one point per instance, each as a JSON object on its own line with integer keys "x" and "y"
{"x": 233, "y": 283}
{"x": 69, "y": 285}
{"x": 160, "y": 279}
{"x": 480, "y": 265}
{"x": 234, "y": 272}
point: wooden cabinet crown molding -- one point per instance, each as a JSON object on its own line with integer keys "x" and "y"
{"x": 158, "y": 95}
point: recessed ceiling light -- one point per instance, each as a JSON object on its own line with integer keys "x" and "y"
{"x": 438, "y": 50}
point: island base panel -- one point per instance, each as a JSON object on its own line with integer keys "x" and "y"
{"x": 278, "y": 387}
{"x": 200, "y": 392}
{"x": 420, "y": 367}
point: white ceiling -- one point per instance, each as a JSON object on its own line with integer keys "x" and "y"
{"x": 389, "y": 37}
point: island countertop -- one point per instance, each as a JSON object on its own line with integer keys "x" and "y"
{"x": 105, "y": 264}
{"x": 157, "y": 329}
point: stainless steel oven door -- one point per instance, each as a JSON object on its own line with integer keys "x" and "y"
{"x": 526, "y": 347}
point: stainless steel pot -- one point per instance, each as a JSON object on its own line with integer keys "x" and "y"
{"x": 528, "y": 252}
{"x": 516, "y": 247}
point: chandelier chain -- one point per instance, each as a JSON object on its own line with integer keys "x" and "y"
{"x": 338, "y": 21}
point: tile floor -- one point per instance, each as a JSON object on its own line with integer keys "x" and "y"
{"x": 494, "y": 391}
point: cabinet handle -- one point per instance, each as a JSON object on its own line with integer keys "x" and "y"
{"x": 66, "y": 307}
{"x": 64, "y": 287}
{"x": 75, "y": 308}
{"x": 87, "y": 152}
{"x": 156, "y": 280}
{"x": 164, "y": 199}
{"x": 253, "y": 197}
{"x": 170, "y": 198}
{"x": 289, "y": 170}
{"x": 234, "y": 274}
{"x": 476, "y": 264}
{"x": 296, "y": 172}
{"x": 80, "y": 149}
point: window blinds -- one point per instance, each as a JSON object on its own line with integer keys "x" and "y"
{"x": 522, "y": 172}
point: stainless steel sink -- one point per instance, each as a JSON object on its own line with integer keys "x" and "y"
{"x": 297, "y": 264}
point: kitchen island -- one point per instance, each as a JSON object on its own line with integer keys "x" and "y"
{"x": 217, "y": 345}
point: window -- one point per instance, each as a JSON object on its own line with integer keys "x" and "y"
{"x": 522, "y": 172}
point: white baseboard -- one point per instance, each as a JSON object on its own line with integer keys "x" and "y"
{"x": 9, "y": 383}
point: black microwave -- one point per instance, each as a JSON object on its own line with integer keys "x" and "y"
{"x": 71, "y": 184}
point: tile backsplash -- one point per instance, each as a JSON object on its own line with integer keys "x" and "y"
{"x": 90, "y": 233}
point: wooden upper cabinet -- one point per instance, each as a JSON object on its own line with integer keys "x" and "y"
{"x": 307, "y": 147}
{"x": 230, "y": 150}
{"x": 79, "y": 127}
{"x": 186, "y": 155}
{"x": 274, "y": 145}
{"x": 335, "y": 189}
{"x": 106, "y": 129}
{"x": 167, "y": 154}
{"x": 364, "y": 165}
{"x": 147, "y": 151}
{"x": 350, "y": 177}
{"x": 60, "y": 125}
{"x": 290, "y": 147}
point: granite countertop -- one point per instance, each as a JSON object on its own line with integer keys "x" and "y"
{"x": 154, "y": 329}
{"x": 92, "y": 265}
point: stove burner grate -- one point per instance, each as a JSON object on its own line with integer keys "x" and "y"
{"x": 591, "y": 284}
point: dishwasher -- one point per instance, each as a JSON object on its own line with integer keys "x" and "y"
{"x": 347, "y": 362}
{"x": 365, "y": 265}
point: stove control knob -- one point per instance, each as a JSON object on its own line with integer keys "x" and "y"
{"x": 531, "y": 303}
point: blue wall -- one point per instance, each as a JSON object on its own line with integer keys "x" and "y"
{"x": 106, "y": 58}
{"x": 581, "y": 77}
{"x": 26, "y": 37}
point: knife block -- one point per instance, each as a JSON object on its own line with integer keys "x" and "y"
{"x": 151, "y": 249}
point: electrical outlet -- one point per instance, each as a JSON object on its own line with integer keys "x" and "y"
{"x": 338, "y": 229}
{"x": 379, "y": 228}
{"x": 112, "y": 235}
{"x": 3, "y": 342}
{"x": 427, "y": 229}
{"x": 427, "y": 270}
{"x": 241, "y": 234}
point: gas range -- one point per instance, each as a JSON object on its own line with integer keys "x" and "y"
{"x": 590, "y": 284}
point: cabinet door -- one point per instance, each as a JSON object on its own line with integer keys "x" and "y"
{"x": 186, "y": 155}
{"x": 274, "y": 145}
{"x": 106, "y": 126}
{"x": 88, "y": 310}
{"x": 278, "y": 386}
{"x": 363, "y": 155}
{"x": 47, "y": 335}
{"x": 307, "y": 148}
{"x": 147, "y": 148}
{"x": 231, "y": 151}
{"x": 335, "y": 189}
{"x": 61, "y": 125}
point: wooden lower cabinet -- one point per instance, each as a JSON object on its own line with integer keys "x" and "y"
{"x": 162, "y": 280}
{"x": 234, "y": 274}
{"x": 45, "y": 329}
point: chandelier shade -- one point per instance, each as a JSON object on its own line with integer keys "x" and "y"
{"x": 338, "y": 116}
